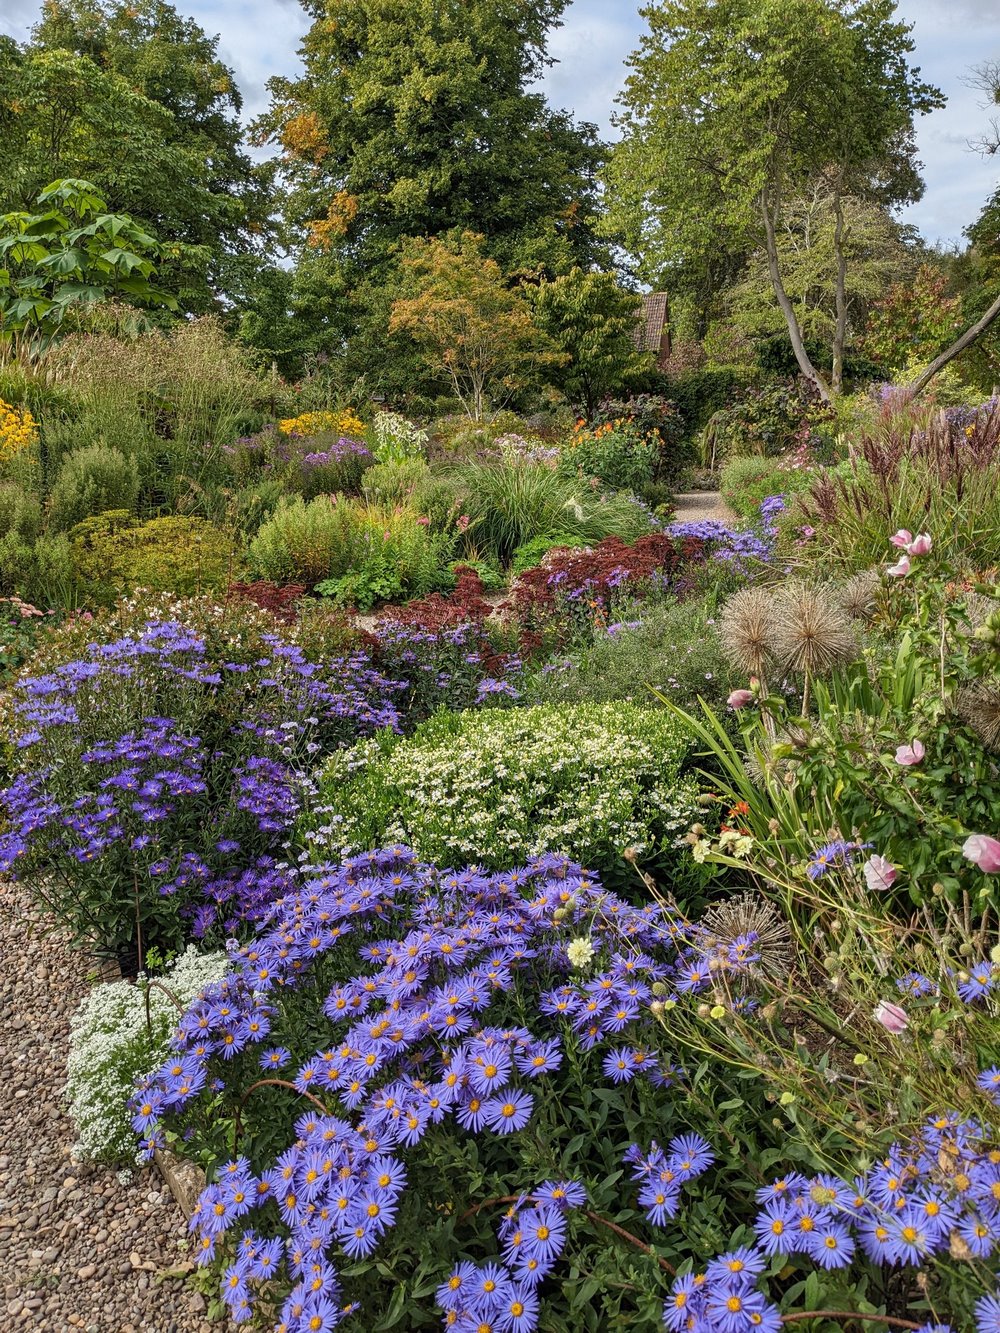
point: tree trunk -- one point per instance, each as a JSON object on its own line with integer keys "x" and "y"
{"x": 807, "y": 368}
{"x": 959, "y": 345}
{"x": 840, "y": 328}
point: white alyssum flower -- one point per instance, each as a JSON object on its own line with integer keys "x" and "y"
{"x": 111, "y": 1047}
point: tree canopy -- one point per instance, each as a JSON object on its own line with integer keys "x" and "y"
{"x": 411, "y": 121}
{"x": 736, "y": 107}
{"x": 135, "y": 99}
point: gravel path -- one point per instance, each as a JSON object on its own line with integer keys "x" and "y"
{"x": 693, "y": 506}
{"x": 78, "y": 1250}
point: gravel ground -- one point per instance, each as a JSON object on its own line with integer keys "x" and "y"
{"x": 693, "y": 506}
{"x": 78, "y": 1250}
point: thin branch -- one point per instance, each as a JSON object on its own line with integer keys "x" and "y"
{"x": 849, "y": 1314}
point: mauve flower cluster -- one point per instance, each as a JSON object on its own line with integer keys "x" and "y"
{"x": 744, "y": 551}
{"x": 336, "y": 453}
{"x": 150, "y": 772}
{"x": 411, "y": 1044}
{"x": 936, "y": 1195}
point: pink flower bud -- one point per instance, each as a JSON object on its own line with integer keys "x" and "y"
{"x": 880, "y": 874}
{"x": 891, "y": 1016}
{"x": 908, "y": 755}
{"x": 740, "y": 698}
{"x": 920, "y": 545}
{"x": 901, "y": 538}
{"x": 900, "y": 569}
{"x": 984, "y": 851}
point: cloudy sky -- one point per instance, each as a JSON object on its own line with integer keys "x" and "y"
{"x": 259, "y": 38}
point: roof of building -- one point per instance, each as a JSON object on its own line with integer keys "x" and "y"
{"x": 652, "y": 321}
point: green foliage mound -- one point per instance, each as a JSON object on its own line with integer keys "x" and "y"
{"x": 501, "y": 786}
{"x": 93, "y": 481}
{"x": 745, "y": 482}
{"x": 112, "y": 554}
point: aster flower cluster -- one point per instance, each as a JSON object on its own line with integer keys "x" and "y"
{"x": 150, "y": 770}
{"x": 453, "y": 666}
{"x": 663, "y": 1173}
{"x": 744, "y": 551}
{"x": 937, "y": 1195}
{"x": 412, "y": 1044}
{"x": 503, "y": 1297}
{"x": 838, "y": 854}
{"x": 973, "y": 982}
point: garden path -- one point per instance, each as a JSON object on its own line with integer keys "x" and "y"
{"x": 78, "y": 1249}
{"x": 694, "y": 506}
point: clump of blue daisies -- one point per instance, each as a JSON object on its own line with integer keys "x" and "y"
{"x": 398, "y": 1037}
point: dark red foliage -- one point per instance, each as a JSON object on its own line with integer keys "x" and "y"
{"x": 465, "y": 605}
{"x": 611, "y": 569}
{"x": 281, "y": 600}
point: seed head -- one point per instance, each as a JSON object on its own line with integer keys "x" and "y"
{"x": 746, "y": 627}
{"x": 812, "y": 633}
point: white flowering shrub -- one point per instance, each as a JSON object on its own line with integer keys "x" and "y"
{"x": 392, "y": 438}
{"x": 111, "y": 1047}
{"x": 495, "y": 788}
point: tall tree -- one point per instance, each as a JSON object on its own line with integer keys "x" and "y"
{"x": 878, "y": 250}
{"x": 736, "y": 107}
{"x": 414, "y": 120}
{"x": 593, "y": 321}
{"x": 134, "y": 98}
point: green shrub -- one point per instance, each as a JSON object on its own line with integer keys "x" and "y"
{"x": 40, "y": 571}
{"x": 498, "y": 787}
{"x": 702, "y": 392}
{"x": 532, "y": 553}
{"x": 305, "y": 541}
{"x": 112, "y": 554}
{"x": 442, "y": 497}
{"x": 394, "y": 482}
{"x": 673, "y": 649}
{"x": 745, "y": 482}
{"x": 20, "y": 512}
{"x": 93, "y": 481}
{"x": 765, "y": 422}
{"x": 621, "y": 458}
{"x": 357, "y": 553}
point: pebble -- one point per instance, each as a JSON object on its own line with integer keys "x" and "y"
{"x": 78, "y": 1250}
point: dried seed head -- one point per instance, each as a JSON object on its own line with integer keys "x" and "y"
{"x": 979, "y": 705}
{"x": 812, "y": 632}
{"x": 749, "y": 913}
{"x": 859, "y": 595}
{"x": 746, "y": 627}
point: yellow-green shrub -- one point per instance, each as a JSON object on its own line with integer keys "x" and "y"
{"x": 331, "y": 538}
{"x": 112, "y": 554}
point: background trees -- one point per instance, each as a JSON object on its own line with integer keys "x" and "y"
{"x": 736, "y": 107}
{"x": 415, "y": 121}
{"x": 135, "y": 99}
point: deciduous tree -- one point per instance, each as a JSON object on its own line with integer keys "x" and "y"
{"x": 736, "y": 107}
{"x": 593, "y": 320}
{"x": 475, "y": 331}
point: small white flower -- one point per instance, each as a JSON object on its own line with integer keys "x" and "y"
{"x": 580, "y": 953}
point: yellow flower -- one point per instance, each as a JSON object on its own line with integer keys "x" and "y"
{"x": 18, "y": 431}
{"x": 345, "y": 422}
